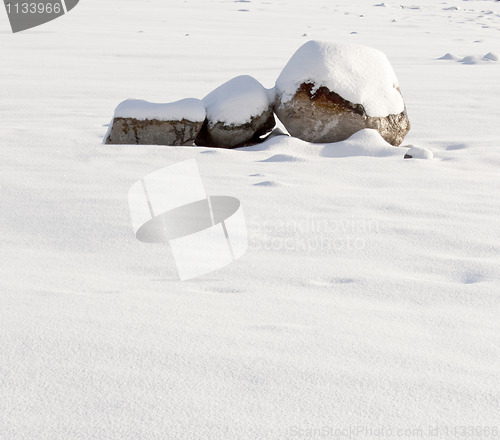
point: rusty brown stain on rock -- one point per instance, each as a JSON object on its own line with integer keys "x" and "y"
{"x": 321, "y": 115}
{"x": 325, "y": 98}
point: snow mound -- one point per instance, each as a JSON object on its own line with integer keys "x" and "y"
{"x": 191, "y": 109}
{"x": 359, "y": 74}
{"x": 419, "y": 153}
{"x": 367, "y": 142}
{"x": 449, "y": 56}
{"x": 237, "y": 101}
{"x": 282, "y": 145}
{"x": 283, "y": 158}
{"x": 471, "y": 59}
{"x": 490, "y": 56}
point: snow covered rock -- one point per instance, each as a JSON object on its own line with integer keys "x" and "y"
{"x": 238, "y": 111}
{"x": 328, "y": 91}
{"x": 141, "y": 122}
{"x": 419, "y": 153}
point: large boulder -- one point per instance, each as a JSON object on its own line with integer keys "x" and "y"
{"x": 141, "y": 122}
{"x": 328, "y": 91}
{"x": 238, "y": 112}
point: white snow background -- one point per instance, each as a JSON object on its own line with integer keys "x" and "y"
{"x": 369, "y": 294}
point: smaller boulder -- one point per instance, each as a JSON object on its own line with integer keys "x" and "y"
{"x": 238, "y": 112}
{"x": 141, "y": 122}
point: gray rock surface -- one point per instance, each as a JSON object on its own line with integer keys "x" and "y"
{"x": 235, "y": 135}
{"x": 239, "y": 112}
{"x": 153, "y": 132}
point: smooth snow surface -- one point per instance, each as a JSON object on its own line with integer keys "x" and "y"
{"x": 369, "y": 296}
{"x": 359, "y": 74}
{"x": 236, "y": 101}
{"x": 189, "y": 108}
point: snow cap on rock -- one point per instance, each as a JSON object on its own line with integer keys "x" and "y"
{"x": 190, "y": 109}
{"x": 359, "y": 74}
{"x": 237, "y": 101}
